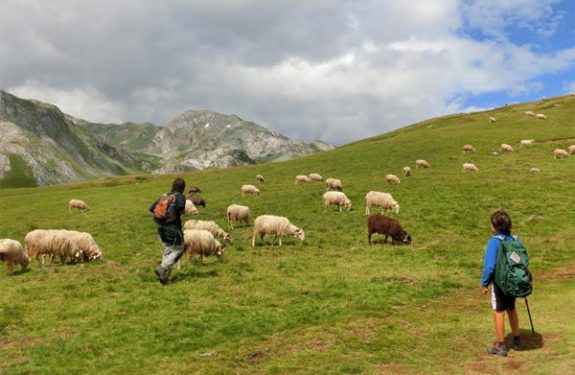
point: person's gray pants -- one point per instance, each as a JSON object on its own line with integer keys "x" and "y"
{"x": 172, "y": 253}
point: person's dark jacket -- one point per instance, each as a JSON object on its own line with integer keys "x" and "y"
{"x": 171, "y": 232}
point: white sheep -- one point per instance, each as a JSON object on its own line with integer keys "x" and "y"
{"x": 571, "y": 149}
{"x": 250, "y": 189}
{"x": 190, "y": 208}
{"x": 526, "y": 142}
{"x": 406, "y": 171}
{"x": 504, "y": 147}
{"x": 383, "y": 200}
{"x": 277, "y": 225}
{"x": 529, "y": 113}
{"x": 52, "y": 242}
{"x": 210, "y": 226}
{"x": 468, "y": 148}
{"x": 260, "y": 178}
{"x": 202, "y": 243}
{"x": 392, "y": 179}
{"x": 11, "y": 252}
{"x": 420, "y": 163}
{"x": 79, "y": 204}
{"x": 236, "y": 212}
{"x": 534, "y": 170}
{"x": 336, "y": 197}
{"x": 333, "y": 184}
{"x": 469, "y": 167}
{"x": 559, "y": 153}
{"x": 492, "y": 120}
{"x": 85, "y": 243}
{"x": 301, "y": 178}
{"x": 315, "y": 177}
{"x": 541, "y": 116}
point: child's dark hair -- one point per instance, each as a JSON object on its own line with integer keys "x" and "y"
{"x": 501, "y": 222}
{"x": 179, "y": 185}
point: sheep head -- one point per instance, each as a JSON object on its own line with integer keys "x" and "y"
{"x": 299, "y": 233}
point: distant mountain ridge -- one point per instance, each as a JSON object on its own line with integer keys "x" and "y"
{"x": 44, "y": 146}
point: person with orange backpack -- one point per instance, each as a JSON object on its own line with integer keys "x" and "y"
{"x": 167, "y": 211}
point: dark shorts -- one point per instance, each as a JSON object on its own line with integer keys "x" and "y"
{"x": 171, "y": 236}
{"x": 500, "y": 301}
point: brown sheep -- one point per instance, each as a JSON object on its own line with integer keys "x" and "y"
{"x": 197, "y": 199}
{"x": 388, "y": 227}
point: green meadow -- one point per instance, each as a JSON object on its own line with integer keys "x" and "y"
{"x": 330, "y": 305}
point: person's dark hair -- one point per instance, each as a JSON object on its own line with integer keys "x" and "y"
{"x": 501, "y": 222}
{"x": 179, "y": 185}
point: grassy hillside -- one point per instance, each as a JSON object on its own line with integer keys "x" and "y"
{"x": 332, "y": 304}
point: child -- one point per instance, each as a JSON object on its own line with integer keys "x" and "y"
{"x": 500, "y": 226}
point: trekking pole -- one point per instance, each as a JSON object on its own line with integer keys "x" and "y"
{"x": 530, "y": 320}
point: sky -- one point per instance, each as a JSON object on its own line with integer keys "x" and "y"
{"x": 337, "y": 71}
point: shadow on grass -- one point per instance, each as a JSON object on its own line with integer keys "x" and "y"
{"x": 532, "y": 341}
{"x": 192, "y": 274}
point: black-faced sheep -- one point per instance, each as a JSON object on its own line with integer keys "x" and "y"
{"x": 387, "y": 226}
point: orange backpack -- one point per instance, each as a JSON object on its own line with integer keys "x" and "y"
{"x": 161, "y": 211}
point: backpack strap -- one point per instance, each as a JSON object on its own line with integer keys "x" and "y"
{"x": 500, "y": 237}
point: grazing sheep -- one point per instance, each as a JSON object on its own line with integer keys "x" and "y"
{"x": 52, "y": 242}
{"x": 277, "y": 225}
{"x": 406, "y": 171}
{"x": 529, "y": 113}
{"x": 260, "y": 178}
{"x": 384, "y": 200}
{"x": 571, "y": 149}
{"x": 210, "y": 226}
{"x": 559, "y": 153}
{"x": 333, "y": 184}
{"x": 202, "y": 243}
{"x": 301, "y": 178}
{"x": 468, "y": 148}
{"x": 79, "y": 204}
{"x": 392, "y": 179}
{"x": 420, "y": 163}
{"x": 11, "y": 252}
{"x": 315, "y": 177}
{"x": 492, "y": 120}
{"x": 541, "y": 116}
{"x": 338, "y": 198}
{"x": 250, "y": 189}
{"x": 86, "y": 244}
{"x": 197, "y": 199}
{"x": 526, "y": 142}
{"x": 190, "y": 208}
{"x": 534, "y": 170}
{"x": 388, "y": 227}
{"x": 194, "y": 189}
{"x": 238, "y": 212}
{"x": 504, "y": 147}
{"x": 469, "y": 167}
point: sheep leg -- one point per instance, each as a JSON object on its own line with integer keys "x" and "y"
{"x": 339, "y": 207}
{"x": 385, "y": 239}
{"x": 10, "y": 265}
{"x": 280, "y": 240}
{"x": 63, "y": 259}
{"x": 369, "y": 237}
{"x": 253, "y": 241}
{"x": 367, "y": 210}
{"x": 52, "y": 259}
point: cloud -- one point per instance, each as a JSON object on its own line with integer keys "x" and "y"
{"x": 337, "y": 71}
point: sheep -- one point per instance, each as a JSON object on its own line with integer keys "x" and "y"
{"x": 236, "y": 212}
{"x": 197, "y": 199}
{"x": 571, "y": 149}
{"x": 492, "y": 120}
{"x": 504, "y": 147}
{"x": 315, "y": 177}
{"x": 336, "y": 197}
{"x": 526, "y": 142}
{"x": 250, "y": 189}
{"x": 392, "y": 179}
{"x": 190, "y": 208}
{"x": 388, "y": 227}
{"x": 194, "y": 189}
{"x": 210, "y": 226}
{"x": 11, "y": 252}
{"x": 85, "y": 243}
{"x": 384, "y": 200}
{"x": 406, "y": 171}
{"x": 53, "y": 242}
{"x": 529, "y": 113}
{"x": 534, "y": 170}
{"x": 79, "y": 204}
{"x": 468, "y": 148}
{"x": 333, "y": 184}
{"x": 278, "y": 225}
{"x": 202, "y": 243}
{"x": 541, "y": 116}
{"x": 420, "y": 163}
{"x": 559, "y": 153}
{"x": 301, "y": 178}
{"x": 469, "y": 167}
{"x": 260, "y": 178}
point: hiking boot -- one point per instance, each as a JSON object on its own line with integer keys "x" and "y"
{"x": 518, "y": 345}
{"x": 499, "y": 349}
{"x": 162, "y": 274}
